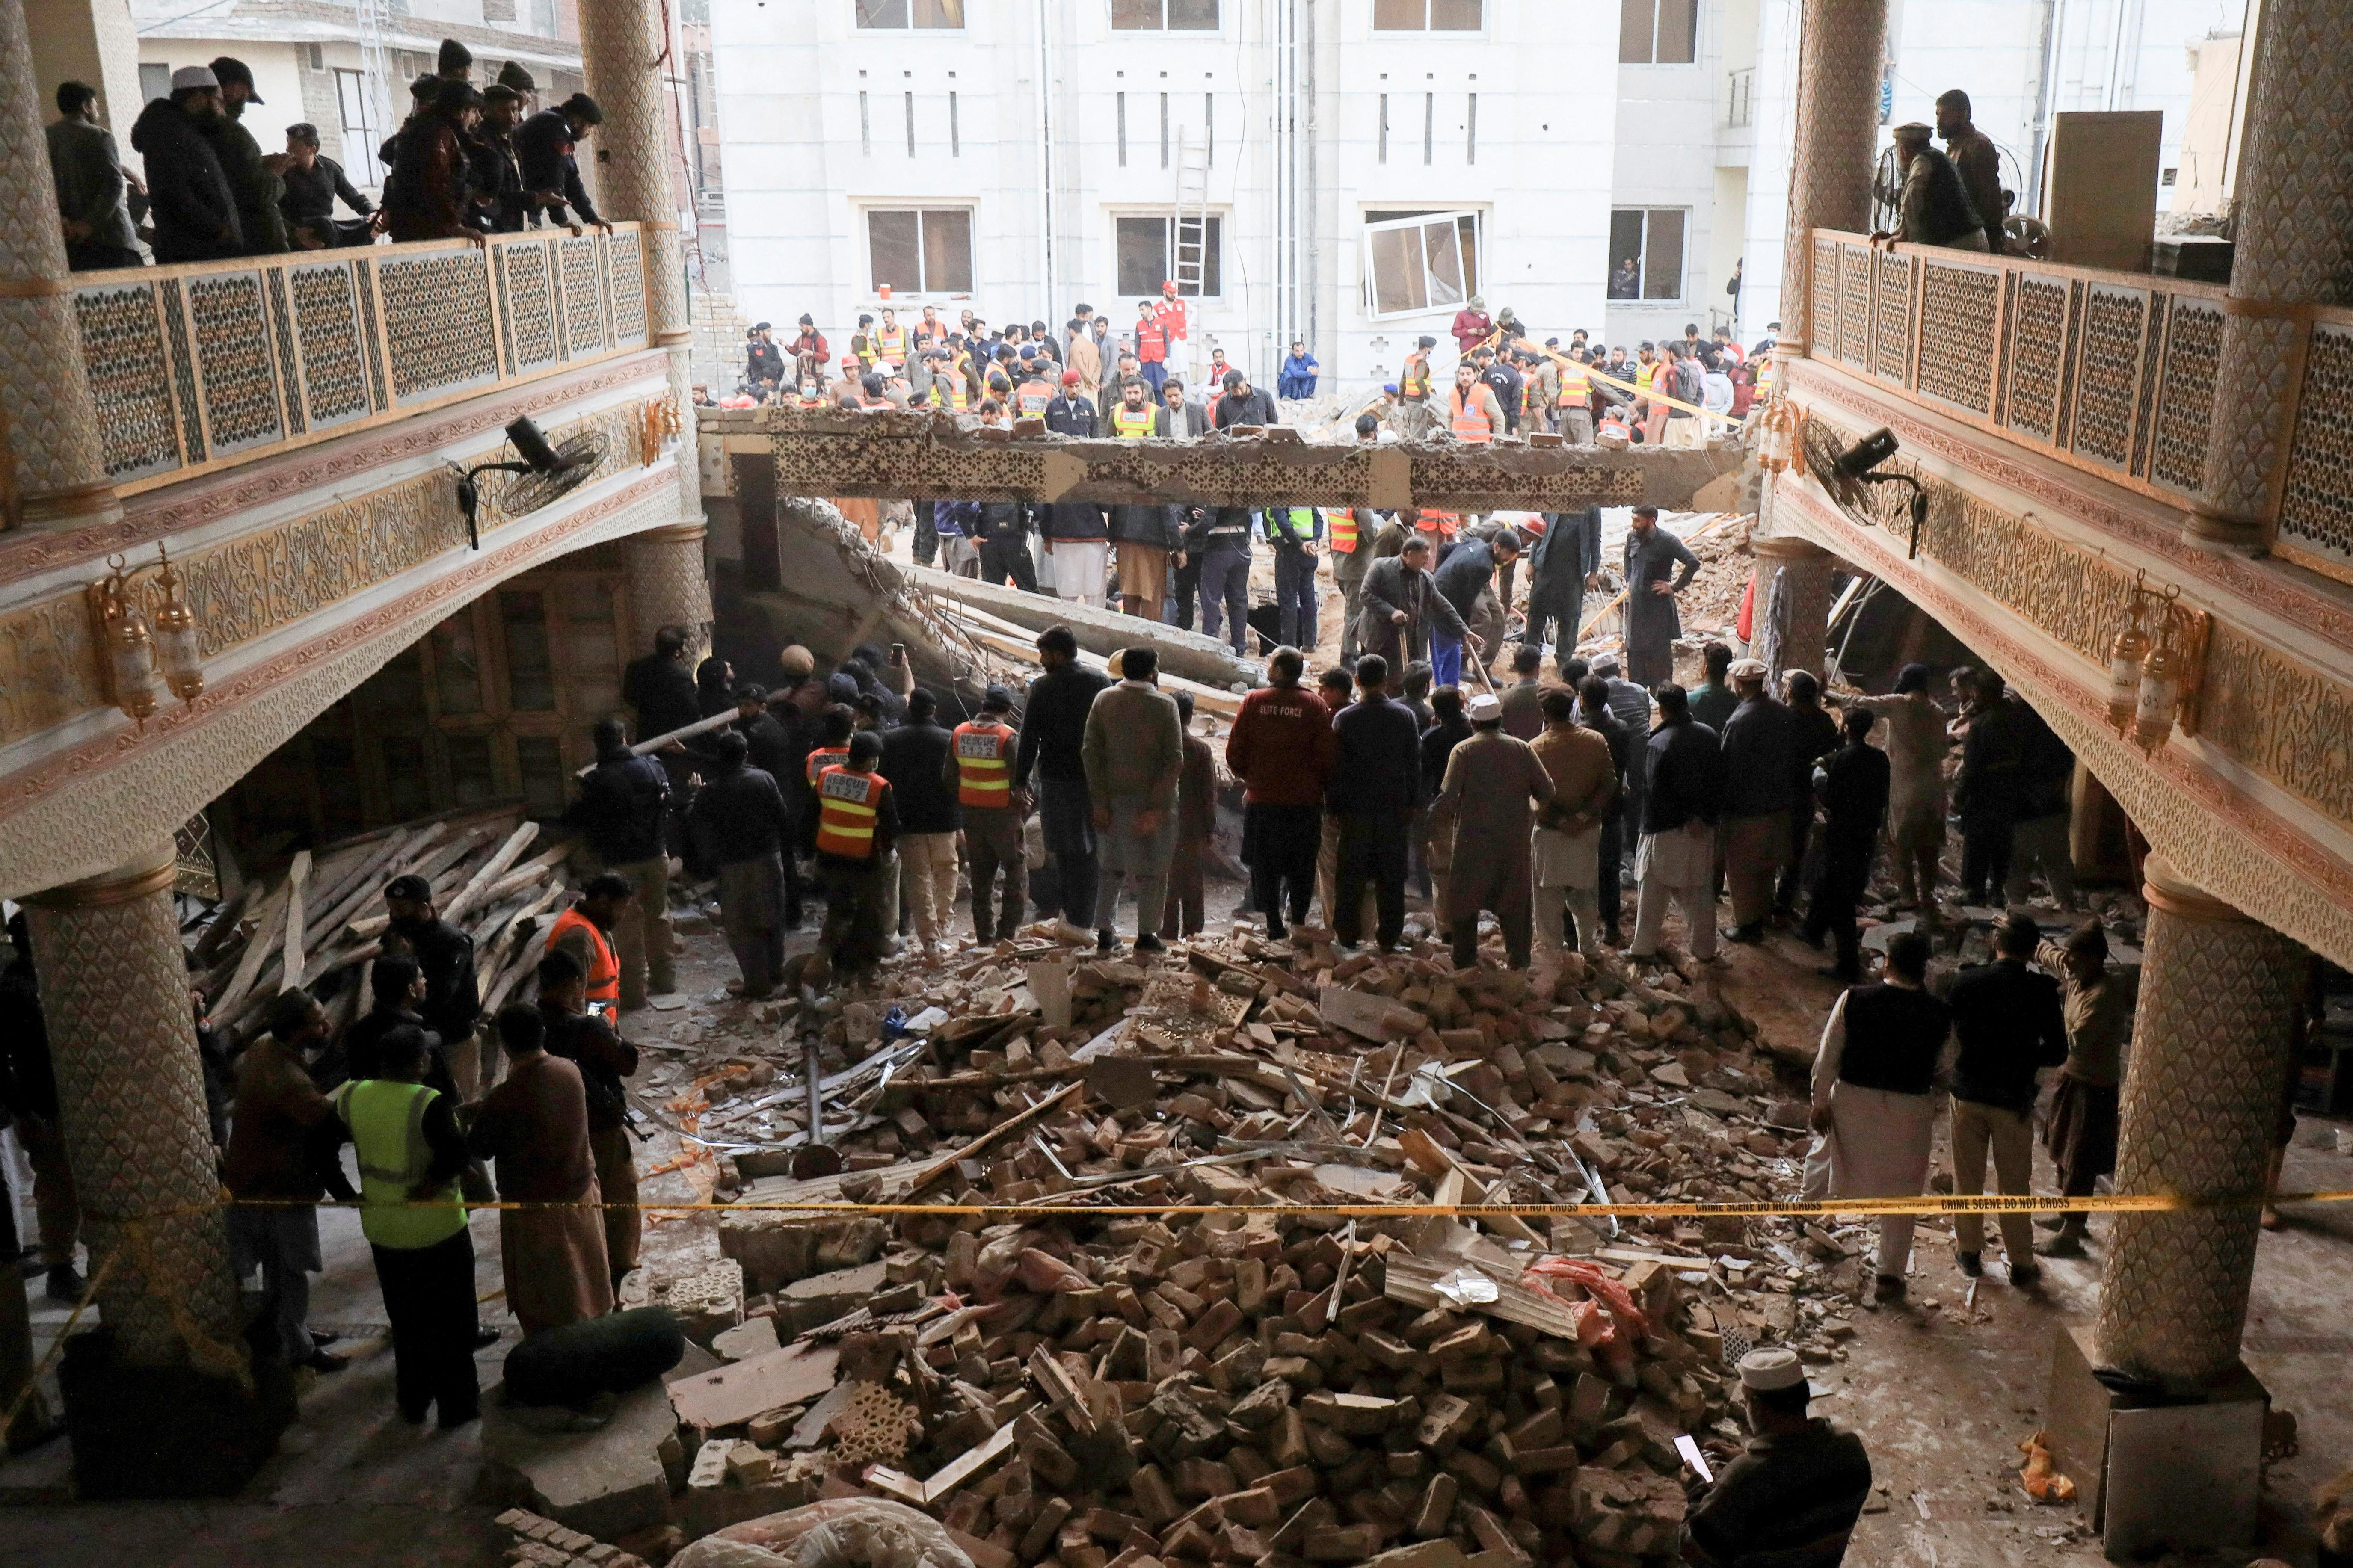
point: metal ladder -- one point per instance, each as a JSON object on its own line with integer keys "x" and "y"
{"x": 1192, "y": 234}
{"x": 375, "y": 71}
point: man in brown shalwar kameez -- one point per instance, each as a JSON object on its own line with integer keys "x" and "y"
{"x": 604, "y": 1059}
{"x": 536, "y": 1125}
{"x": 1493, "y": 785}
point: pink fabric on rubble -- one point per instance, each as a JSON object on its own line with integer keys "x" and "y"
{"x": 1610, "y": 1323}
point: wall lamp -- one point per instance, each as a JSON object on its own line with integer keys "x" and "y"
{"x": 2157, "y": 666}
{"x": 1856, "y": 463}
{"x": 140, "y": 626}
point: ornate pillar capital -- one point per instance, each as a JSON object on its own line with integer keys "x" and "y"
{"x": 1787, "y": 547}
{"x": 2167, "y": 889}
{"x": 152, "y": 872}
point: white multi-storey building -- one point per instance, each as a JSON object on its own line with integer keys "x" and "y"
{"x": 1357, "y": 168}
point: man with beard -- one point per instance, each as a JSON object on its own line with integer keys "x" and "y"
{"x": 452, "y": 1003}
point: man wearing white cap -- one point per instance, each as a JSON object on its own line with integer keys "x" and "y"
{"x": 194, "y": 209}
{"x": 1493, "y": 782}
{"x": 1792, "y": 1497}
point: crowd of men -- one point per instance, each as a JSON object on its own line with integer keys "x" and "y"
{"x": 464, "y": 164}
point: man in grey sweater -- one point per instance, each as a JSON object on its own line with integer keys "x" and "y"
{"x": 93, "y": 192}
{"x": 1135, "y": 756}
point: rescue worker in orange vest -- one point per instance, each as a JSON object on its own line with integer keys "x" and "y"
{"x": 891, "y": 338}
{"x": 949, "y": 387}
{"x": 1414, "y": 387}
{"x": 1029, "y": 399}
{"x": 585, "y": 932}
{"x": 1473, "y": 414}
{"x": 1151, "y": 347}
{"x": 1574, "y": 402}
{"x": 741, "y": 824}
{"x": 980, "y": 770}
{"x": 856, "y": 823}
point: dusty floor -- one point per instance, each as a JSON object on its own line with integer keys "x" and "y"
{"x": 1941, "y": 1395}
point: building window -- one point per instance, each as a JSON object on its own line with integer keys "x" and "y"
{"x": 1420, "y": 261}
{"x": 1646, "y": 254}
{"x": 1658, "y": 32}
{"x": 155, "y": 81}
{"x": 360, "y": 133}
{"x": 925, "y": 252}
{"x": 1427, "y": 16}
{"x": 1169, "y": 16}
{"x": 1148, "y": 256}
{"x": 910, "y": 12}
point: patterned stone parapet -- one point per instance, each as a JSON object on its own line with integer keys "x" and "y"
{"x": 199, "y": 367}
{"x": 2212, "y": 1048}
{"x": 114, "y": 991}
{"x": 825, "y": 452}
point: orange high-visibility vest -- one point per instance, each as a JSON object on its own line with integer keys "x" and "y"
{"x": 983, "y": 749}
{"x": 1441, "y": 523}
{"x": 604, "y": 968}
{"x": 845, "y": 814}
{"x": 1034, "y": 396}
{"x": 892, "y": 341}
{"x": 823, "y": 758}
{"x": 1471, "y": 421}
{"x": 1340, "y": 530}
{"x": 1415, "y": 380}
{"x": 1576, "y": 386}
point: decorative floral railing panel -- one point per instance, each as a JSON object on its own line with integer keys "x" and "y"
{"x": 198, "y": 367}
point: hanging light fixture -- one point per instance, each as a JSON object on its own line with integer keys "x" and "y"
{"x": 2161, "y": 687}
{"x": 2125, "y": 658}
{"x": 175, "y": 634}
{"x": 1777, "y": 437}
{"x": 131, "y": 648}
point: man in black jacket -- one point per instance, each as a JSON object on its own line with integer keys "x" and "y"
{"x": 623, "y": 802}
{"x": 1373, "y": 786}
{"x": 915, "y": 760}
{"x": 1852, "y": 786}
{"x": 314, "y": 182}
{"x": 1987, "y": 790}
{"x": 195, "y": 210}
{"x": 1053, "y": 735}
{"x": 1813, "y": 735}
{"x": 1683, "y": 799}
{"x": 398, "y": 986}
{"x": 2011, "y": 1025}
{"x": 253, "y": 179}
{"x": 29, "y": 1091}
{"x": 1758, "y": 744}
{"x": 497, "y": 174}
{"x": 544, "y": 147}
{"x": 452, "y": 1005}
{"x": 1005, "y": 546}
{"x": 1241, "y": 404}
{"x": 1562, "y": 566}
{"x": 660, "y": 687}
{"x": 742, "y": 823}
{"x": 1626, "y": 754}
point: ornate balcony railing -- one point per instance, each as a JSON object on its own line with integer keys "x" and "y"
{"x": 2112, "y": 372}
{"x": 202, "y": 366}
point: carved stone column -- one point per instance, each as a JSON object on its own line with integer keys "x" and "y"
{"x": 2211, "y": 1051}
{"x": 1841, "y": 51}
{"x": 668, "y": 584}
{"x": 56, "y": 467}
{"x": 1791, "y": 625}
{"x": 114, "y": 988}
{"x": 620, "y": 42}
{"x": 2295, "y": 248}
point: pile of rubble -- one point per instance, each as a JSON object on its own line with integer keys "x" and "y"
{"x": 1268, "y": 1382}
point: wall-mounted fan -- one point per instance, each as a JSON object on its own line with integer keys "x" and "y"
{"x": 549, "y": 472}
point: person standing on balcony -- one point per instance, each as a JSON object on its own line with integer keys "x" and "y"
{"x": 1933, "y": 207}
{"x": 254, "y": 180}
{"x": 497, "y": 177}
{"x": 314, "y": 181}
{"x": 426, "y": 196}
{"x": 92, "y": 190}
{"x": 545, "y": 145}
{"x": 1978, "y": 162}
{"x": 193, "y": 209}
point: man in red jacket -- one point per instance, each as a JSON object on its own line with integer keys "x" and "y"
{"x": 1472, "y": 324}
{"x": 1281, "y": 748}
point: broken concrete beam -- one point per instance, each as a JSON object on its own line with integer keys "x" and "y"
{"x": 776, "y": 1247}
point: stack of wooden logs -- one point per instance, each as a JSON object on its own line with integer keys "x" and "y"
{"x": 326, "y": 915}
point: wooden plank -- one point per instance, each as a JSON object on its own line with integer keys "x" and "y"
{"x": 1412, "y": 1280}
{"x": 1011, "y": 1124}
{"x": 742, "y": 1389}
{"x": 966, "y": 1466}
{"x": 257, "y": 948}
{"x": 338, "y": 906}
{"x": 290, "y": 973}
{"x": 467, "y": 898}
{"x": 1428, "y": 1155}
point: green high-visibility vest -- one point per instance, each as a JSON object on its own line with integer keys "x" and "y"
{"x": 388, "y": 1121}
{"x": 1300, "y": 520}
